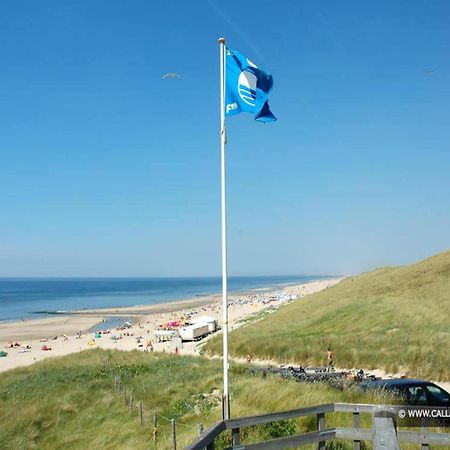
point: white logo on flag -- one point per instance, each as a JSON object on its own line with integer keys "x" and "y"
{"x": 231, "y": 106}
{"x": 247, "y": 88}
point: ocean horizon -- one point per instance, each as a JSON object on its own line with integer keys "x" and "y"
{"x": 28, "y": 298}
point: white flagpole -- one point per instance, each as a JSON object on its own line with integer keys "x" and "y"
{"x": 226, "y": 393}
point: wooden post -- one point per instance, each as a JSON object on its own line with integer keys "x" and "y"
{"x": 141, "y": 415}
{"x": 424, "y": 430}
{"x": 174, "y": 435}
{"x": 321, "y": 426}
{"x": 384, "y": 431}
{"x": 356, "y": 425}
{"x": 236, "y": 437}
{"x": 131, "y": 404}
{"x": 155, "y": 426}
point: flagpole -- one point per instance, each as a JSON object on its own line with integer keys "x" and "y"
{"x": 226, "y": 393}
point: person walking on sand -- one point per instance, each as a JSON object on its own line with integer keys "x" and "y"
{"x": 329, "y": 359}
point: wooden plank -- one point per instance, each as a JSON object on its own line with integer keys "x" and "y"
{"x": 356, "y": 425}
{"x": 290, "y": 441}
{"x": 274, "y": 417}
{"x": 321, "y": 426}
{"x": 302, "y": 412}
{"x": 424, "y": 438}
{"x": 236, "y": 437}
{"x": 141, "y": 413}
{"x": 208, "y": 437}
{"x": 384, "y": 434}
{"x": 174, "y": 435}
{"x": 155, "y": 427}
{"x": 360, "y": 407}
{"x": 351, "y": 434}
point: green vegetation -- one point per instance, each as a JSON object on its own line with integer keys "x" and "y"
{"x": 393, "y": 318}
{"x": 396, "y": 319}
{"x": 71, "y": 402}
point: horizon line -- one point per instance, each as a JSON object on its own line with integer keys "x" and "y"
{"x": 54, "y": 277}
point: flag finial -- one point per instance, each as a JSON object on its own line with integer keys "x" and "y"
{"x": 221, "y": 40}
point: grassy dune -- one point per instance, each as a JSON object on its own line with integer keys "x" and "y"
{"x": 395, "y": 318}
{"x": 71, "y": 402}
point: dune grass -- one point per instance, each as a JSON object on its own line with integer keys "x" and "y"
{"x": 71, "y": 402}
{"x": 397, "y": 319}
{"x": 393, "y": 318}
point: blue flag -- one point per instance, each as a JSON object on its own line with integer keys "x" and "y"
{"x": 247, "y": 88}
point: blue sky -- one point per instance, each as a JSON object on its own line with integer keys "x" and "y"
{"x": 108, "y": 170}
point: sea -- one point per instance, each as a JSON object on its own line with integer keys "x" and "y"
{"x": 28, "y": 298}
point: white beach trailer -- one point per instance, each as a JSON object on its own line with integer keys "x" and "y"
{"x": 164, "y": 335}
{"x": 210, "y": 321}
{"x": 194, "y": 332}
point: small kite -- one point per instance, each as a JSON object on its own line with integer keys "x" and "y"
{"x": 171, "y": 75}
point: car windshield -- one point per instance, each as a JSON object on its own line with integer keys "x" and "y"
{"x": 438, "y": 393}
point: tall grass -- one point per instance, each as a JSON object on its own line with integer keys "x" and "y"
{"x": 71, "y": 402}
{"x": 64, "y": 403}
{"x": 394, "y": 318}
{"x": 397, "y": 319}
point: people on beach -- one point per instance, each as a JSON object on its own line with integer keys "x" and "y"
{"x": 130, "y": 335}
{"x": 329, "y": 359}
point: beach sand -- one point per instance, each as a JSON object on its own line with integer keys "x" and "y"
{"x": 147, "y": 319}
{"x": 46, "y": 328}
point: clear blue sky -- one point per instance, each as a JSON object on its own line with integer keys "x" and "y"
{"x": 108, "y": 170}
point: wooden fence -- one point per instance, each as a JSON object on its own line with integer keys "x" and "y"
{"x": 384, "y": 434}
{"x": 147, "y": 418}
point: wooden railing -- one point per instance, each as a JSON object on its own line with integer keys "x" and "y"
{"x": 384, "y": 434}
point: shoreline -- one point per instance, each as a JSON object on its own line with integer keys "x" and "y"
{"x": 60, "y": 330}
{"x": 139, "y": 310}
{"x": 149, "y": 308}
{"x": 71, "y": 322}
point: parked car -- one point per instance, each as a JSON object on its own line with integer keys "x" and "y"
{"x": 412, "y": 391}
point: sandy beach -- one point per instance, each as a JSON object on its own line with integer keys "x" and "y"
{"x": 59, "y": 332}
